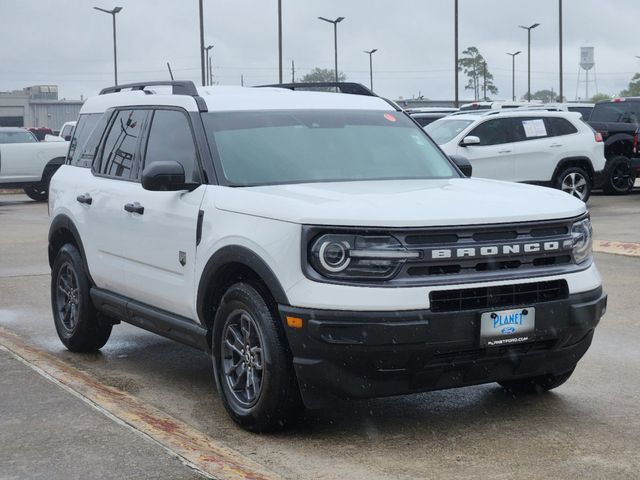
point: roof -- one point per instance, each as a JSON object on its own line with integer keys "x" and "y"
{"x": 233, "y": 98}
{"x": 512, "y": 113}
{"x": 12, "y": 129}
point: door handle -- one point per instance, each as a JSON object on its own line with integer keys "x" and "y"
{"x": 504, "y": 151}
{"x": 134, "y": 208}
{"x": 85, "y": 198}
{"x": 555, "y": 145}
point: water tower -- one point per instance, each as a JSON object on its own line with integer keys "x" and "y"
{"x": 587, "y": 63}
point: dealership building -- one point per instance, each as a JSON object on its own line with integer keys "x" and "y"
{"x": 37, "y": 106}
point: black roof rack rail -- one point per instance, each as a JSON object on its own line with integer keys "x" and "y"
{"x": 343, "y": 87}
{"x": 179, "y": 87}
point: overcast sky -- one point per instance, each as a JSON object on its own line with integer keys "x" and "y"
{"x": 66, "y": 42}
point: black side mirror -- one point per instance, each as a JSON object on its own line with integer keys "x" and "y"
{"x": 165, "y": 176}
{"x": 67, "y": 138}
{"x": 463, "y": 164}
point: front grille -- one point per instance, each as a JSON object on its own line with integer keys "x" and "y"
{"x": 499, "y": 296}
{"x": 449, "y": 255}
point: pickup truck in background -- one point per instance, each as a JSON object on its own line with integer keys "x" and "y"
{"x": 64, "y": 135}
{"x": 618, "y": 120}
{"x": 28, "y": 164}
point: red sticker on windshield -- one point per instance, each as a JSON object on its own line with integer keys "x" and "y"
{"x": 389, "y": 117}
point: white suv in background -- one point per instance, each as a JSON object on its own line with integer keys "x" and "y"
{"x": 556, "y": 149}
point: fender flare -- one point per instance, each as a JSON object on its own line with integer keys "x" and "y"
{"x": 562, "y": 165}
{"x": 51, "y": 166}
{"x": 247, "y": 258}
{"x": 63, "y": 222}
{"x": 618, "y": 137}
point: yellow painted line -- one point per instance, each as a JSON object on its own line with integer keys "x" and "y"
{"x": 617, "y": 248}
{"x": 196, "y": 449}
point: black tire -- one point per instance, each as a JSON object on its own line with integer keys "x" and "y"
{"x": 272, "y": 402}
{"x": 38, "y": 192}
{"x": 77, "y": 322}
{"x": 575, "y": 181}
{"x": 538, "y": 384}
{"x": 619, "y": 177}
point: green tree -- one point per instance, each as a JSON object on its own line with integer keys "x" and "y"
{"x": 475, "y": 67}
{"x": 633, "y": 90}
{"x": 598, "y": 97}
{"x": 545, "y": 96}
{"x": 318, "y": 75}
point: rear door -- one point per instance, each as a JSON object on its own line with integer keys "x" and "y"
{"x": 536, "y": 151}
{"x": 159, "y": 242}
{"x": 493, "y": 156}
{"x": 104, "y": 195}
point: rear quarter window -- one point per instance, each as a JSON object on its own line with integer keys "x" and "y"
{"x": 83, "y": 142}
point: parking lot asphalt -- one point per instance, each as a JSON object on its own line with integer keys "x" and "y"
{"x": 588, "y": 428}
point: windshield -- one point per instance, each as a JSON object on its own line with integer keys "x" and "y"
{"x": 17, "y": 137}
{"x": 276, "y": 147}
{"x": 445, "y": 130}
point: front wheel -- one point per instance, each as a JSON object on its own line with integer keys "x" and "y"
{"x": 620, "y": 177}
{"x": 77, "y": 322}
{"x": 575, "y": 181}
{"x": 539, "y": 384}
{"x": 253, "y": 366}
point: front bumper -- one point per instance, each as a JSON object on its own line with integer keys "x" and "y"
{"x": 340, "y": 354}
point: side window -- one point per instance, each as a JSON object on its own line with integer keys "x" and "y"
{"x": 529, "y": 128}
{"x": 79, "y": 141}
{"x": 560, "y": 126}
{"x": 493, "y": 132}
{"x": 66, "y": 132}
{"x": 171, "y": 139}
{"x": 120, "y": 149}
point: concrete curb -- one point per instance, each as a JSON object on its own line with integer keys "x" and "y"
{"x": 629, "y": 249}
{"x": 194, "y": 448}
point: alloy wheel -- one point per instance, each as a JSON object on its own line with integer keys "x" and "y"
{"x": 242, "y": 359}
{"x": 67, "y": 297}
{"x": 575, "y": 184}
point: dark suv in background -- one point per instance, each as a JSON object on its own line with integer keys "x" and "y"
{"x": 618, "y": 121}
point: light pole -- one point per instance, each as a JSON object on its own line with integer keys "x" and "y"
{"x": 115, "y": 49}
{"x": 560, "y": 49}
{"x": 456, "y": 68}
{"x": 209, "y": 79}
{"x": 279, "y": 41}
{"x": 202, "y": 53}
{"x": 335, "y": 39}
{"x": 370, "y": 53}
{"x": 528, "y": 29}
{"x": 513, "y": 74}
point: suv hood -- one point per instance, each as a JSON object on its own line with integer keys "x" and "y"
{"x": 401, "y": 203}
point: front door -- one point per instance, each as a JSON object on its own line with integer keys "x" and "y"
{"x": 493, "y": 156}
{"x": 159, "y": 235}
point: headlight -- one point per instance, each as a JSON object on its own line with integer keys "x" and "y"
{"x": 358, "y": 256}
{"x": 582, "y": 234}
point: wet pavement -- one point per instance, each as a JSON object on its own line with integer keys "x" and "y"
{"x": 588, "y": 428}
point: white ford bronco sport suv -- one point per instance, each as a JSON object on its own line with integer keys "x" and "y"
{"x": 317, "y": 245}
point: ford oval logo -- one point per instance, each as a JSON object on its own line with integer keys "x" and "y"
{"x": 508, "y": 330}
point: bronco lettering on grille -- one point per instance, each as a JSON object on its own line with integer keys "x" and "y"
{"x": 496, "y": 250}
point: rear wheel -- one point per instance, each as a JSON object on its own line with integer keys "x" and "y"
{"x": 576, "y": 182}
{"x": 38, "y": 192}
{"x": 620, "y": 177}
{"x": 539, "y": 384}
{"x": 253, "y": 366}
{"x": 77, "y": 322}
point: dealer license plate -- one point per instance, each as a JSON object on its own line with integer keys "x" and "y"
{"x": 506, "y": 327}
